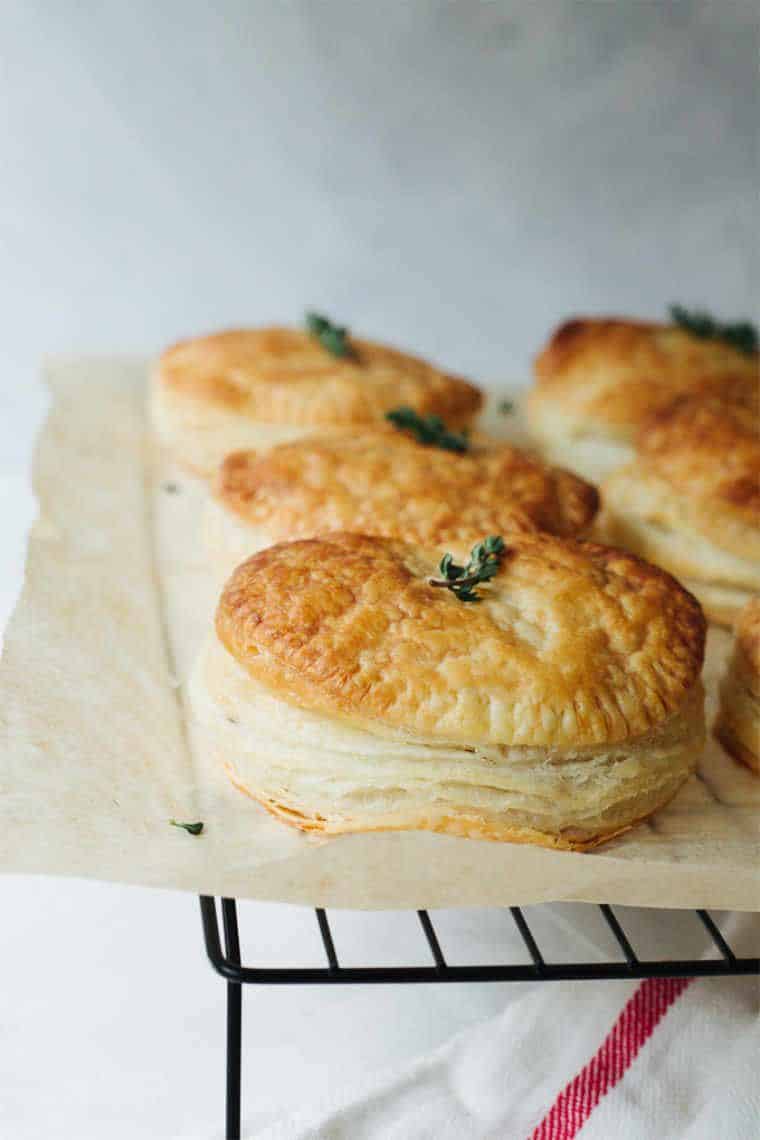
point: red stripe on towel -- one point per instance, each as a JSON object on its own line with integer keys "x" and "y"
{"x": 634, "y": 1026}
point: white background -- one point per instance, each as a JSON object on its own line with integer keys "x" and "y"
{"x": 456, "y": 177}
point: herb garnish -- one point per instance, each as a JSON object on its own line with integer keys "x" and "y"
{"x": 742, "y": 335}
{"x": 430, "y": 430}
{"x": 484, "y": 561}
{"x": 505, "y": 408}
{"x": 190, "y": 828}
{"x": 332, "y": 337}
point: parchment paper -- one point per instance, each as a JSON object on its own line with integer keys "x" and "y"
{"x": 98, "y": 750}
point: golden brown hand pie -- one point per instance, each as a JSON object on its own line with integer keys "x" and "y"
{"x": 381, "y": 481}
{"x": 347, "y": 693}
{"x": 738, "y": 724}
{"x": 690, "y": 501}
{"x": 255, "y": 387}
{"x": 598, "y": 378}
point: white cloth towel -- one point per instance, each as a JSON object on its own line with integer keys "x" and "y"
{"x": 629, "y": 1060}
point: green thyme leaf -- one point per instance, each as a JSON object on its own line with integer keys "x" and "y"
{"x": 742, "y": 335}
{"x": 428, "y": 430}
{"x": 484, "y": 561}
{"x": 333, "y": 338}
{"x": 449, "y": 568}
{"x": 505, "y": 407}
{"x": 191, "y": 828}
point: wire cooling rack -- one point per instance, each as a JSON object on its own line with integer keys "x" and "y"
{"x": 227, "y": 962}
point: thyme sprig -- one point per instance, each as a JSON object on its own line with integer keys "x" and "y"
{"x": 190, "y": 828}
{"x": 485, "y": 558}
{"x": 742, "y": 335}
{"x": 332, "y": 337}
{"x": 429, "y": 430}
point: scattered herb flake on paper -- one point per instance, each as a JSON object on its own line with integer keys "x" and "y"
{"x": 190, "y": 828}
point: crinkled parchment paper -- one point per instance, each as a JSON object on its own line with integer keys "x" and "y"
{"x": 98, "y": 749}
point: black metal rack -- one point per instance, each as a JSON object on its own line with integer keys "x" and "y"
{"x": 228, "y": 963}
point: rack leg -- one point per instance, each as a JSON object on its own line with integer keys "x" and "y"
{"x": 234, "y": 1023}
{"x": 234, "y": 1028}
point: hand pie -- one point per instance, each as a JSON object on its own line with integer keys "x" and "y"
{"x": 347, "y": 693}
{"x": 691, "y": 500}
{"x": 597, "y": 379}
{"x": 256, "y": 387}
{"x": 738, "y": 725}
{"x": 381, "y": 481}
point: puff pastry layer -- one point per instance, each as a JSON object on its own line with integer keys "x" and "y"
{"x": 379, "y": 481}
{"x": 598, "y": 379}
{"x": 691, "y": 499}
{"x": 738, "y": 724}
{"x": 326, "y": 775}
{"x": 560, "y": 709}
{"x": 254, "y": 387}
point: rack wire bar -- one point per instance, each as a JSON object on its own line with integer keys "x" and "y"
{"x": 619, "y": 933}
{"x": 527, "y": 936}
{"x": 228, "y": 964}
{"x": 716, "y": 936}
{"x": 432, "y": 940}
{"x": 327, "y": 940}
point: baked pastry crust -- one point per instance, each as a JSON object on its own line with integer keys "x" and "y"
{"x": 380, "y": 481}
{"x": 605, "y": 375}
{"x": 708, "y": 451}
{"x": 691, "y": 498}
{"x": 251, "y": 387}
{"x": 738, "y": 723}
{"x": 573, "y": 644}
{"x": 345, "y": 693}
